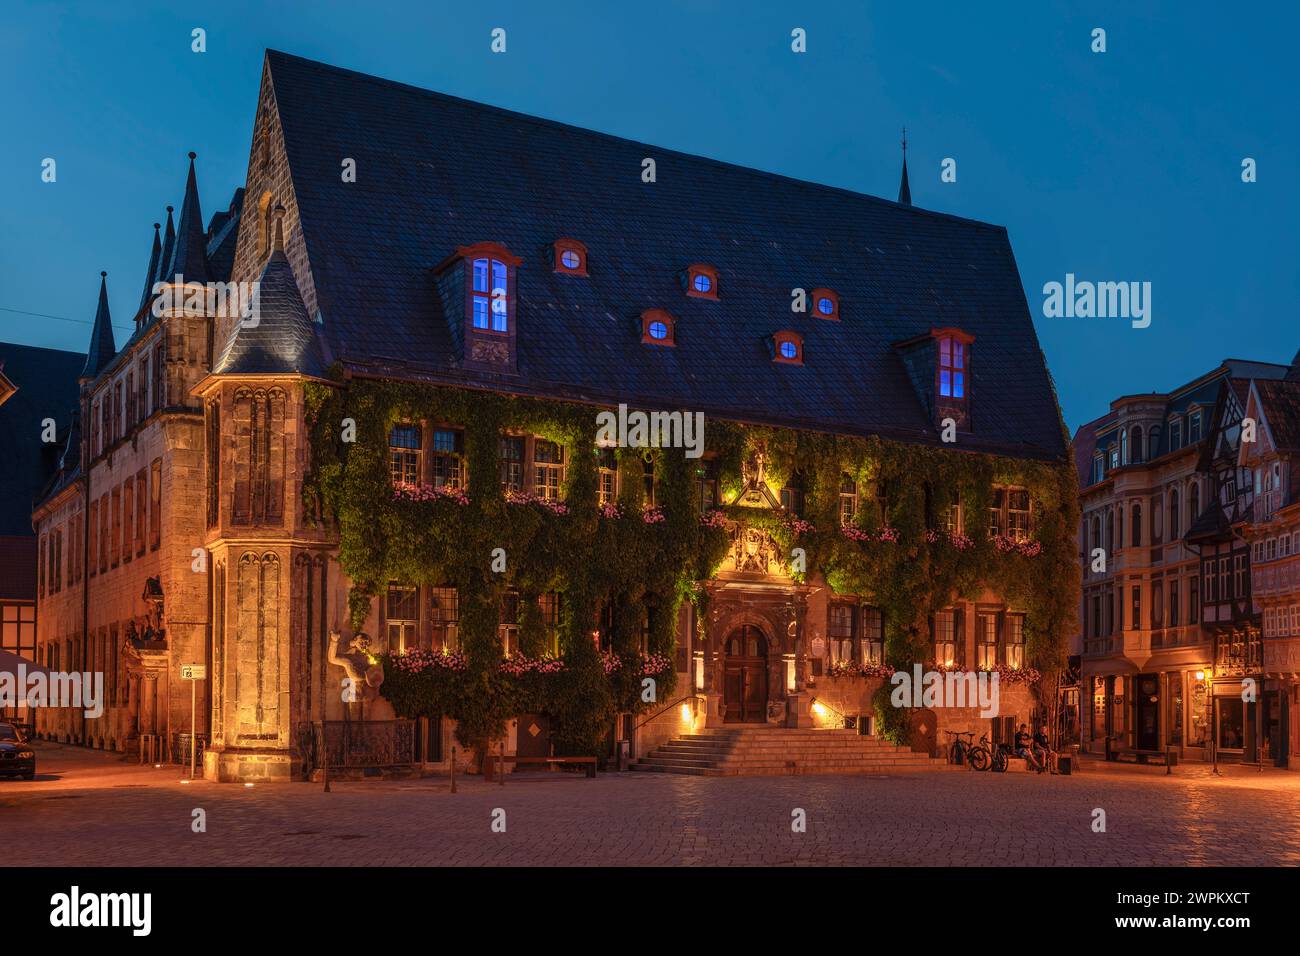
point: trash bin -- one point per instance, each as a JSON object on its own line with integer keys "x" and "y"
{"x": 1065, "y": 764}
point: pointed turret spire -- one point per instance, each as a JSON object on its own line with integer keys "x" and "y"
{"x": 101, "y": 349}
{"x": 169, "y": 241}
{"x": 904, "y": 190}
{"x": 190, "y": 256}
{"x": 154, "y": 255}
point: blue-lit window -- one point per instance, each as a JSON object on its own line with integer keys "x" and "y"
{"x": 570, "y": 259}
{"x": 789, "y": 350}
{"x": 490, "y": 300}
{"x": 952, "y": 368}
{"x": 658, "y": 330}
{"x": 825, "y": 306}
{"x": 702, "y": 282}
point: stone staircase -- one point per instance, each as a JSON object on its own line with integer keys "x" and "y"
{"x": 768, "y": 751}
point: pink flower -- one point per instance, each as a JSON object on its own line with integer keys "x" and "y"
{"x": 714, "y": 518}
{"x": 526, "y": 498}
{"x": 611, "y": 510}
{"x": 404, "y": 491}
{"x": 652, "y": 515}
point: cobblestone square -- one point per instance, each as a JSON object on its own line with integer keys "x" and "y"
{"x": 92, "y": 809}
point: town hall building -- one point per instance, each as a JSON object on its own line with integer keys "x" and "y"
{"x": 372, "y": 504}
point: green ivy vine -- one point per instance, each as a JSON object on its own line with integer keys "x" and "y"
{"x": 637, "y": 567}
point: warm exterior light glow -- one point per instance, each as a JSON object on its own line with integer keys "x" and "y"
{"x": 819, "y": 708}
{"x": 686, "y": 713}
{"x": 1200, "y": 675}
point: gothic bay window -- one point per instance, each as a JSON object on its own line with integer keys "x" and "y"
{"x": 508, "y": 624}
{"x": 490, "y": 295}
{"x": 706, "y": 485}
{"x": 548, "y": 468}
{"x": 607, "y": 476}
{"x": 1015, "y": 640}
{"x": 444, "y": 618}
{"x": 259, "y": 460}
{"x": 986, "y": 641}
{"x": 446, "y": 458}
{"x": 402, "y": 617}
{"x": 848, "y": 500}
{"x": 512, "y": 463}
{"x": 405, "y": 454}
{"x": 159, "y": 379}
{"x": 943, "y": 642}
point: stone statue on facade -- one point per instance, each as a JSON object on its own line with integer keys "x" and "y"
{"x": 365, "y": 673}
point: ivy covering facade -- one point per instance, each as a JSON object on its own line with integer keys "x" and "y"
{"x": 643, "y": 563}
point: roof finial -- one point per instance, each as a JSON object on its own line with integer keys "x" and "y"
{"x": 904, "y": 190}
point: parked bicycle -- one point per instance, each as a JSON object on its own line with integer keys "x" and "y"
{"x": 982, "y": 756}
{"x": 959, "y": 749}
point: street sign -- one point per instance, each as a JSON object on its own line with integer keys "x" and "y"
{"x": 194, "y": 672}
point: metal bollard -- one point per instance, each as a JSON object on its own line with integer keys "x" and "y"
{"x": 453, "y": 769}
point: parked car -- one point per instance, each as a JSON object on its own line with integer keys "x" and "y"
{"x": 16, "y": 754}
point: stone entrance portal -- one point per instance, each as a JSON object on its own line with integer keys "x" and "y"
{"x": 745, "y": 678}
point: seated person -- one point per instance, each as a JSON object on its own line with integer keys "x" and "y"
{"x": 1043, "y": 749}
{"x": 1024, "y": 748}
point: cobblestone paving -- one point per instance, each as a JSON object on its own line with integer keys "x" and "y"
{"x": 91, "y": 809}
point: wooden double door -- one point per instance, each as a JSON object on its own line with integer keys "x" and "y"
{"x": 744, "y": 689}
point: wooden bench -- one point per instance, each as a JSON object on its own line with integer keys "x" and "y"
{"x": 589, "y": 763}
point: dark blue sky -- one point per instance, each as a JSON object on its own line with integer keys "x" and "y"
{"x": 1122, "y": 166}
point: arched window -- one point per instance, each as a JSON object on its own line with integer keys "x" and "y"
{"x": 1123, "y": 445}
{"x": 1175, "y": 516}
{"x": 1110, "y": 532}
{"x": 1137, "y": 444}
{"x": 1193, "y": 502}
{"x": 1137, "y": 526}
{"x": 1096, "y": 533}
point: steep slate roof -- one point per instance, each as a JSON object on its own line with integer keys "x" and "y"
{"x": 189, "y": 257}
{"x": 47, "y": 388}
{"x": 283, "y": 340}
{"x": 436, "y": 172}
{"x": 1085, "y": 444}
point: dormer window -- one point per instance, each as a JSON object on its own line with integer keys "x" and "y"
{"x": 489, "y": 296}
{"x": 570, "y": 257}
{"x": 658, "y": 328}
{"x": 702, "y": 281}
{"x": 787, "y": 347}
{"x": 826, "y": 304}
{"x": 952, "y": 364}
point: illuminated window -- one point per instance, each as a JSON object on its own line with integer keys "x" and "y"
{"x": 512, "y": 463}
{"x": 952, "y": 367}
{"x": 658, "y": 328}
{"x": 444, "y": 616}
{"x": 445, "y": 458}
{"x": 508, "y": 624}
{"x": 944, "y": 644}
{"x": 986, "y": 641}
{"x": 405, "y": 454}
{"x": 570, "y": 257}
{"x": 402, "y": 617}
{"x": 1015, "y": 640}
{"x": 1010, "y": 514}
{"x": 489, "y": 298}
{"x": 607, "y": 473}
{"x": 551, "y": 607}
{"x": 788, "y": 348}
{"x": 702, "y": 281}
{"x": 826, "y": 304}
{"x": 548, "y": 468}
{"x": 873, "y": 637}
{"x": 839, "y": 629}
{"x": 848, "y": 500}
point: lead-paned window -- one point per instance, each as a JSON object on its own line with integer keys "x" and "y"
{"x": 548, "y": 468}
{"x": 508, "y": 623}
{"x": 986, "y": 641}
{"x": 945, "y": 638}
{"x": 404, "y": 454}
{"x": 840, "y": 630}
{"x": 447, "y": 458}
{"x": 444, "y": 617}
{"x": 607, "y": 475}
{"x": 512, "y": 463}
{"x": 402, "y": 617}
